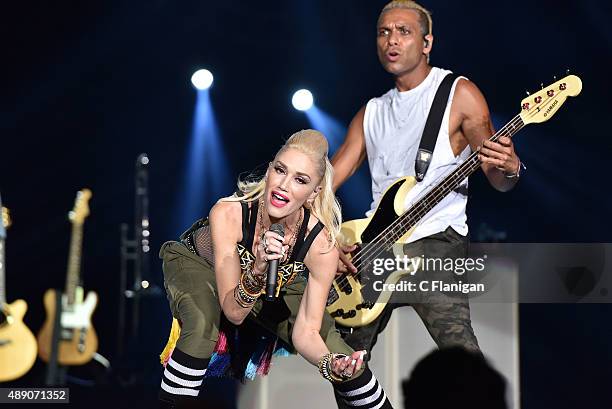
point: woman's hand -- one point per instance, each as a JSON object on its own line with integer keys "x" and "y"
{"x": 270, "y": 247}
{"x": 345, "y": 366}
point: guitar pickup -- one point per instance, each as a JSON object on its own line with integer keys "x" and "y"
{"x": 332, "y": 297}
{"x": 66, "y": 334}
{"x": 365, "y": 305}
{"x": 347, "y": 289}
{"x": 337, "y": 313}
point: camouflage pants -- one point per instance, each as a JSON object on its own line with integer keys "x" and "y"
{"x": 191, "y": 289}
{"x": 446, "y": 317}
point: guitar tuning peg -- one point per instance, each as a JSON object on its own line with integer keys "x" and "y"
{"x": 527, "y": 92}
{"x": 567, "y": 71}
{"x": 554, "y": 78}
{"x": 542, "y": 85}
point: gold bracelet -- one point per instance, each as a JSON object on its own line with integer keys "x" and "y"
{"x": 253, "y": 290}
{"x": 250, "y": 283}
{"x": 259, "y": 280}
{"x": 241, "y": 298}
{"x": 245, "y": 295}
{"x": 325, "y": 368}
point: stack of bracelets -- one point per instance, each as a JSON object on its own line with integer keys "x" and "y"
{"x": 325, "y": 367}
{"x": 249, "y": 288}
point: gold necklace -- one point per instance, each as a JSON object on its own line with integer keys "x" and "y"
{"x": 295, "y": 230}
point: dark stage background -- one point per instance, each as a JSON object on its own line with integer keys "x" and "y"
{"x": 87, "y": 86}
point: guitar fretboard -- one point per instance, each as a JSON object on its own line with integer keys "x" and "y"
{"x": 411, "y": 217}
{"x": 74, "y": 262}
{"x": 418, "y": 210}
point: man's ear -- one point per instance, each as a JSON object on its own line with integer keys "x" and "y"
{"x": 427, "y": 43}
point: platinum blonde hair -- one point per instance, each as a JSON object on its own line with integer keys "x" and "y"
{"x": 325, "y": 206}
{"x": 425, "y": 21}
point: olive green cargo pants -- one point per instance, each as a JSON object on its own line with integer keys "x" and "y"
{"x": 192, "y": 293}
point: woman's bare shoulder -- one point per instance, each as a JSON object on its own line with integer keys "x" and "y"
{"x": 226, "y": 214}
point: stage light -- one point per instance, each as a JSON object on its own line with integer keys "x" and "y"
{"x": 202, "y": 79}
{"x": 302, "y": 100}
{"x": 206, "y": 174}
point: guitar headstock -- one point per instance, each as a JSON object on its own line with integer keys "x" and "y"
{"x": 81, "y": 207}
{"x": 542, "y": 105}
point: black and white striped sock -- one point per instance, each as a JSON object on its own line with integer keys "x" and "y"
{"x": 182, "y": 377}
{"x": 363, "y": 392}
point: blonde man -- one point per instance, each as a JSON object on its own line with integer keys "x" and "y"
{"x": 388, "y": 130}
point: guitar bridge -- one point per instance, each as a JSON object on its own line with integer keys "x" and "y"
{"x": 82, "y": 338}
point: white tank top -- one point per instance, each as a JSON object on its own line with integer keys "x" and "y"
{"x": 393, "y": 125}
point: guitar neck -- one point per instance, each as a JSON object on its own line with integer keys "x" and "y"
{"x": 415, "y": 213}
{"x": 2, "y": 277}
{"x": 74, "y": 262}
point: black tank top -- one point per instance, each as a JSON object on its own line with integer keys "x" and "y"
{"x": 294, "y": 266}
{"x": 199, "y": 241}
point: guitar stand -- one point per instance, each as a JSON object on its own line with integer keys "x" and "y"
{"x": 56, "y": 374}
{"x": 135, "y": 286}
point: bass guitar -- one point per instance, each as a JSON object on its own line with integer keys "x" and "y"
{"x": 386, "y": 231}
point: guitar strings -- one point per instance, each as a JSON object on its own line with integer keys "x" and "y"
{"x": 516, "y": 124}
{"x": 451, "y": 179}
{"x": 469, "y": 165}
{"x": 423, "y": 204}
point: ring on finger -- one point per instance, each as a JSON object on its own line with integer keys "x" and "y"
{"x": 266, "y": 258}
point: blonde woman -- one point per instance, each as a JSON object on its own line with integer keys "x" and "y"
{"x": 215, "y": 276}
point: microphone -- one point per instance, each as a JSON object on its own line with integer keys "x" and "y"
{"x": 273, "y": 267}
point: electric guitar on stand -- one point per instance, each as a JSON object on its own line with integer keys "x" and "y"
{"x": 384, "y": 233}
{"x": 67, "y": 336}
{"x": 17, "y": 343}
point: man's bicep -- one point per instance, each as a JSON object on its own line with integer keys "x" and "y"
{"x": 476, "y": 123}
{"x": 351, "y": 153}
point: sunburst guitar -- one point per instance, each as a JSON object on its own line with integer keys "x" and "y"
{"x": 77, "y": 339}
{"x": 385, "y": 232}
{"x": 17, "y": 343}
